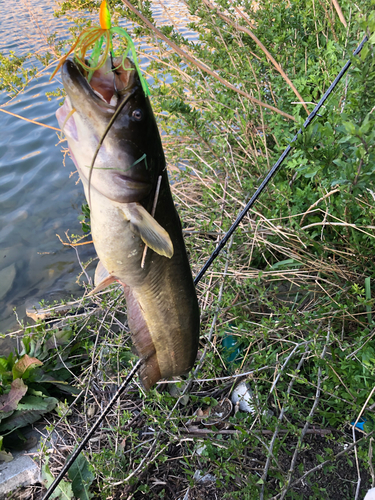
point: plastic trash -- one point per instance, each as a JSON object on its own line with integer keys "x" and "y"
{"x": 201, "y": 478}
{"x": 231, "y": 349}
{"x": 242, "y": 396}
{"x": 370, "y": 495}
{"x": 360, "y": 424}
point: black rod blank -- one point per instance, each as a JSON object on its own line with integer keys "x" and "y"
{"x": 85, "y": 440}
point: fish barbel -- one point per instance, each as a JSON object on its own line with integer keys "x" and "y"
{"x": 162, "y": 306}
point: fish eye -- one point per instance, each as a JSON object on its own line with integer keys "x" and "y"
{"x": 137, "y": 114}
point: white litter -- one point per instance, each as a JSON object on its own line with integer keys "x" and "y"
{"x": 201, "y": 478}
{"x": 200, "y": 449}
{"x": 243, "y": 396}
{"x": 370, "y": 495}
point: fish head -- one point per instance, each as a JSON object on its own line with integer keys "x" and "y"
{"x": 131, "y": 157}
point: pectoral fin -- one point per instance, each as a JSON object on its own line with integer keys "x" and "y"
{"x": 102, "y": 279}
{"x": 150, "y": 231}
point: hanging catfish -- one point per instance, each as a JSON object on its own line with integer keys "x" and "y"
{"x": 127, "y": 183}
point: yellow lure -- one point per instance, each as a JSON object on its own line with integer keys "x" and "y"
{"x": 104, "y": 16}
{"x": 95, "y": 37}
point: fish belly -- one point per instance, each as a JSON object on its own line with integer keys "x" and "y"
{"x": 163, "y": 312}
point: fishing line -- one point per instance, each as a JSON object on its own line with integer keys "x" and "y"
{"x": 276, "y": 167}
{"x": 83, "y": 443}
{"x": 113, "y": 68}
{"x": 157, "y": 191}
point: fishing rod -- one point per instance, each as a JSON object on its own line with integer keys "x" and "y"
{"x": 276, "y": 167}
{"x": 204, "y": 269}
{"x": 85, "y": 440}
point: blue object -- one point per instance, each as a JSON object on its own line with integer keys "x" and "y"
{"x": 360, "y": 424}
{"x": 231, "y": 349}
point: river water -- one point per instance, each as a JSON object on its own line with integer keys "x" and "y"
{"x": 40, "y": 198}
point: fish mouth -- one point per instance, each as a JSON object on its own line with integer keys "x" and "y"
{"x": 130, "y": 183}
{"x": 85, "y": 115}
{"x": 107, "y": 87}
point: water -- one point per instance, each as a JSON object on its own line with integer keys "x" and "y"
{"x": 39, "y": 197}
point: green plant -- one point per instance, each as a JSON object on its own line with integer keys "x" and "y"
{"x": 13, "y": 74}
{"x": 31, "y": 379}
{"x": 81, "y": 477}
{"x": 85, "y": 218}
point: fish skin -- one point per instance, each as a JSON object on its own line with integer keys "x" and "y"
{"x": 163, "y": 312}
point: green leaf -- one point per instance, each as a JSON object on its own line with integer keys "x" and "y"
{"x": 3, "y": 365}
{"x": 64, "y": 489}
{"x": 29, "y": 412}
{"x": 81, "y": 476}
{"x": 6, "y": 364}
{"x": 368, "y": 297}
{"x": 5, "y": 415}
{"x": 37, "y": 403}
{"x": 62, "y": 385}
{"x": 286, "y": 263}
{"x": 66, "y": 388}
{"x": 34, "y": 392}
{"x": 5, "y": 456}
{"x": 60, "y": 338}
{"x": 350, "y": 127}
{"x": 19, "y": 419}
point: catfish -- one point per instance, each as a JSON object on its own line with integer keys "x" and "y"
{"x": 131, "y": 207}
